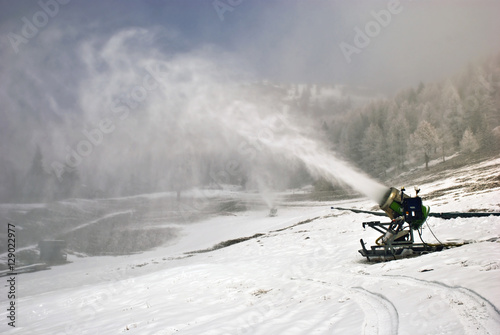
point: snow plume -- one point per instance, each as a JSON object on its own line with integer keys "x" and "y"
{"x": 285, "y": 137}
{"x": 144, "y": 119}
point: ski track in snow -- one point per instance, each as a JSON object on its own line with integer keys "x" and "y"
{"x": 476, "y": 313}
{"x": 380, "y": 315}
{"x": 386, "y": 320}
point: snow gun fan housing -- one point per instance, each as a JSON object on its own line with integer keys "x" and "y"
{"x": 397, "y": 204}
{"x": 407, "y": 214}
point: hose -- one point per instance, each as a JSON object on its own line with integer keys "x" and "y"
{"x": 441, "y": 243}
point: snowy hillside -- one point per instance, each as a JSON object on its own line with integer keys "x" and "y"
{"x": 297, "y": 273}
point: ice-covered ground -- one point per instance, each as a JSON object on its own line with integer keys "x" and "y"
{"x": 303, "y": 275}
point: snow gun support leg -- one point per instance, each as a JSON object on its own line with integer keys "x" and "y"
{"x": 395, "y": 242}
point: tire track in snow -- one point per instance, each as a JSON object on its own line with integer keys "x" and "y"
{"x": 476, "y": 314}
{"x": 382, "y": 317}
{"x": 380, "y": 314}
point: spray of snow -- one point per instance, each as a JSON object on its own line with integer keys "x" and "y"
{"x": 284, "y": 137}
{"x": 188, "y": 107}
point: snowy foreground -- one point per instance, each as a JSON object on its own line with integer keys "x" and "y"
{"x": 303, "y": 275}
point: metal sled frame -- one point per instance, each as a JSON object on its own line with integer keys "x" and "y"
{"x": 395, "y": 242}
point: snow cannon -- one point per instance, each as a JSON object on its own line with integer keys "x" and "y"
{"x": 397, "y": 204}
{"x": 407, "y": 214}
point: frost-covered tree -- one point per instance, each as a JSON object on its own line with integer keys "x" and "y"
{"x": 469, "y": 144}
{"x": 410, "y": 113}
{"x": 470, "y": 100}
{"x": 452, "y": 112}
{"x": 372, "y": 147}
{"x": 481, "y": 111}
{"x": 351, "y": 138}
{"x": 425, "y": 141}
{"x": 446, "y": 140}
{"x": 397, "y": 138}
{"x": 449, "y": 98}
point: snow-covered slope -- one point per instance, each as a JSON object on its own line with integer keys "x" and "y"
{"x": 301, "y": 274}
